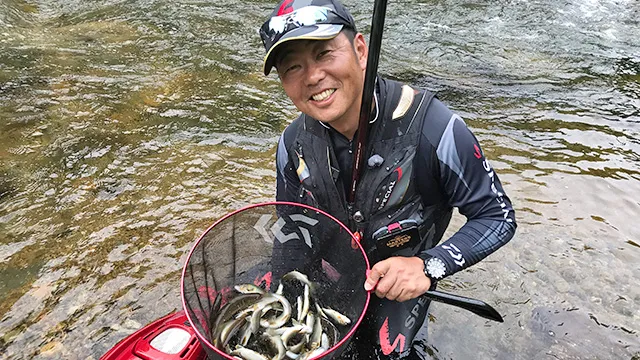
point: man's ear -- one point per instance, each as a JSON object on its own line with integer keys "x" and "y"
{"x": 362, "y": 51}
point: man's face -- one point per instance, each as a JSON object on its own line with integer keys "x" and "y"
{"x": 324, "y": 78}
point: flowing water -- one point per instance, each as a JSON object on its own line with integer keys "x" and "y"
{"x": 128, "y": 127}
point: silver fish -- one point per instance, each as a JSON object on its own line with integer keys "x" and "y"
{"x": 276, "y": 342}
{"x": 269, "y": 315}
{"x": 229, "y": 329}
{"x": 330, "y": 331}
{"x": 324, "y": 342}
{"x": 299, "y": 307}
{"x": 280, "y": 289}
{"x": 316, "y": 334}
{"x": 285, "y": 315}
{"x": 292, "y": 355}
{"x": 312, "y": 353}
{"x": 319, "y": 309}
{"x": 275, "y": 332}
{"x": 246, "y": 334}
{"x": 248, "y": 354}
{"x": 254, "y": 321}
{"x": 297, "y": 276}
{"x": 297, "y": 347}
{"x": 265, "y": 300}
{"x": 228, "y": 311}
{"x": 305, "y": 302}
{"x": 292, "y": 331}
{"x": 310, "y": 321}
{"x": 336, "y": 316}
{"x": 249, "y": 289}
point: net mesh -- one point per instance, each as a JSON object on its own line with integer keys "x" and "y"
{"x": 258, "y": 245}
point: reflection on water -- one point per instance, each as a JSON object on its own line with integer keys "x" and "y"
{"x": 127, "y": 128}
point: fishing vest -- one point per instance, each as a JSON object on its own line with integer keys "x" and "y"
{"x": 386, "y": 193}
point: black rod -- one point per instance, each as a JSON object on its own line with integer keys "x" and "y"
{"x": 375, "y": 42}
{"x": 477, "y": 307}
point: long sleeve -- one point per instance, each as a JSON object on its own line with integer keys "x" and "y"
{"x": 450, "y": 158}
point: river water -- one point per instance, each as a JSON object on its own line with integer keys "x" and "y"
{"x": 128, "y": 127}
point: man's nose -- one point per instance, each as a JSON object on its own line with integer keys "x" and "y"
{"x": 315, "y": 74}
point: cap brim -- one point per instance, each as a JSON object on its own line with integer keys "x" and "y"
{"x": 314, "y": 32}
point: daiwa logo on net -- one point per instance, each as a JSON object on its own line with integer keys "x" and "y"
{"x": 276, "y": 228}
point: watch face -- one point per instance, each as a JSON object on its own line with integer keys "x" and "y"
{"x": 435, "y": 268}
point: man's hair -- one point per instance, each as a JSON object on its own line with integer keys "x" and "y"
{"x": 350, "y": 33}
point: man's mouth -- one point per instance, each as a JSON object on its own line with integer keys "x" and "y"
{"x": 323, "y": 95}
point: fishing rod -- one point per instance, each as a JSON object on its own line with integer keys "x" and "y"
{"x": 375, "y": 43}
{"x": 478, "y": 307}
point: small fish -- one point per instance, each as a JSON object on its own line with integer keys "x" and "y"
{"x": 246, "y": 334}
{"x": 324, "y": 342}
{"x": 292, "y": 355}
{"x": 297, "y": 347}
{"x": 316, "y": 334}
{"x": 249, "y": 289}
{"x": 229, "y": 329}
{"x": 299, "y": 308}
{"x": 336, "y": 316}
{"x": 286, "y": 312}
{"x": 310, "y": 321}
{"x": 277, "y": 344}
{"x": 330, "y": 332}
{"x": 319, "y": 309}
{"x": 228, "y": 311}
{"x": 248, "y": 354}
{"x": 297, "y": 276}
{"x": 312, "y": 354}
{"x": 292, "y": 331}
{"x": 275, "y": 332}
{"x": 305, "y": 302}
{"x": 269, "y": 314}
{"x": 264, "y": 301}
{"x": 254, "y": 322}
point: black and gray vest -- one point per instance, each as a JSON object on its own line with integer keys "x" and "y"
{"x": 386, "y": 193}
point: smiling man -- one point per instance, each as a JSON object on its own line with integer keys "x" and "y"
{"x": 324, "y": 78}
{"x": 422, "y": 161}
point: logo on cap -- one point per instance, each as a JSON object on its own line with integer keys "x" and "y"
{"x": 286, "y": 7}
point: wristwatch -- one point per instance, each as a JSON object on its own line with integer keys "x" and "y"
{"x": 434, "y": 268}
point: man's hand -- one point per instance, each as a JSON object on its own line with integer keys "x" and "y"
{"x": 398, "y": 278}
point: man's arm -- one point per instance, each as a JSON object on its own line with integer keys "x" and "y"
{"x": 452, "y": 169}
{"x": 469, "y": 183}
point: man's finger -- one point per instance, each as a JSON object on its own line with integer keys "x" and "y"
{"x": 394, "y": 293}
{"x": 386, "y": 284}
{"x": 375, "y": 274}
{"x": 404, "y": 296}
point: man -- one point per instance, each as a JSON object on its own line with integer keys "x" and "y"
{"x": 421, "y": 162}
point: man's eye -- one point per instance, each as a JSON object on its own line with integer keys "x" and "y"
{"x": 323, "y": 53}
{"x": 291, "y": 68}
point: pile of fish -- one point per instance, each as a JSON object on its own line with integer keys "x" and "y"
{"x": 261, "y": 325}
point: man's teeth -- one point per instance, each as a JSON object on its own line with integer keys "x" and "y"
{"x": 323, "y": 95}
